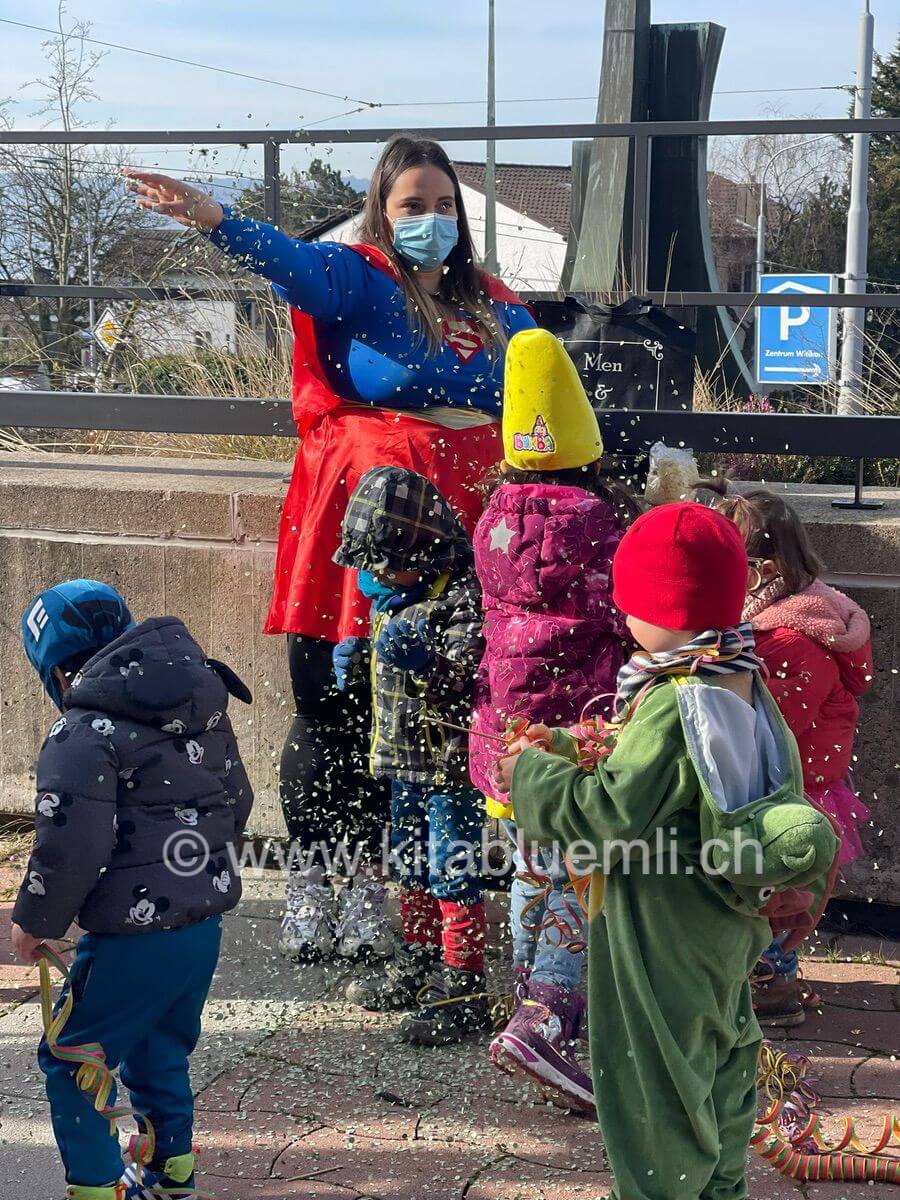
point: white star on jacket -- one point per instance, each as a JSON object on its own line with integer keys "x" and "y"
{"x": 501, "y": 536}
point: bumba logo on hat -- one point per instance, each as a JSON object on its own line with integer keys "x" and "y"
{"x": 539, "y": 441}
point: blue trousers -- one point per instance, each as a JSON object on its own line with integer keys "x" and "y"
{"x": 543, "y": 951}
{"x": 140, "y": 996}
{"x": 436, "y": 840}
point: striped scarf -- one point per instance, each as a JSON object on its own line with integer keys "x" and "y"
{"x": 714, "y": 652}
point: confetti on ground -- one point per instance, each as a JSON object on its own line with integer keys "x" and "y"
{"x": 300, "y": 1096}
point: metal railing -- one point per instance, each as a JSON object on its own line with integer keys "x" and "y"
{"x": 640, "y": 134}
{"x": 626, "y": 431}
{"x": 858, "y": 437}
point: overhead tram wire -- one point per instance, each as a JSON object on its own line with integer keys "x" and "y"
{"x": 187, "y": 62}
{"x": 368, "y": 104}
{"x": 365, "y": 105}
{"x": 831, "y": 87}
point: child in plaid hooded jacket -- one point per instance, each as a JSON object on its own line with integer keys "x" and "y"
{"x": 415, "y": 564}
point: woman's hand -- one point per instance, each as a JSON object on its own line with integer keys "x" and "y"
{"x": 181, "y": 201}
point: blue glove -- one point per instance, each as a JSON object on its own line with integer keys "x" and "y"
{"x": 406, "y": 647}
{"x": 346, "y": 658}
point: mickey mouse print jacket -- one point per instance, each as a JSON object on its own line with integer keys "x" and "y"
{"x": 141, "y": 792}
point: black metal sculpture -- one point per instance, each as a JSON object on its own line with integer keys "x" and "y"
{"x": 653, "y": 72}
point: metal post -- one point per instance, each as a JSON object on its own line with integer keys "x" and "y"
{"x": 92, "y": 311}
{"x": 272, "y": 213}
{"x": 490, "y": 162}
{"x": 856, "y": 262}
{"x": 640, "y": 193}
{"x": 272, "y": 182}
{"x": 761, "y": 235}
{"x": 857, "y": 502}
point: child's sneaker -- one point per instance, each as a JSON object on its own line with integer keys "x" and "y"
{"x": 115, "y": 1191}
{"x": 777, "y": 999}
{"x": 173, "y": 1177}
{"x": 539, "y": 1041}
{"x": 307, "y": 927}
{"x": 398, "y": 983}
{"x": 454, "y": 1003}
{"x": 362, "y": 930}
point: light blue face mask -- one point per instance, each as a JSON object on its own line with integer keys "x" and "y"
{"x": 426, "y": 240}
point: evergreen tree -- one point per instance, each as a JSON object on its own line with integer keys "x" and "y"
{"x": 817, "y": 236}
{"x": 306, "y": 196}
{"x": 884, "y": 172}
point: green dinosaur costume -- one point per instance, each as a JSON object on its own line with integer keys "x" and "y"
{"x": 674, "y": 1040}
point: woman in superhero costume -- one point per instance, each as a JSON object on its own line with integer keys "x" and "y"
{"x": 398, "y": 361}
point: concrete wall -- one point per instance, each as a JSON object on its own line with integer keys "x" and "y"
{"x": 196, "y": 539}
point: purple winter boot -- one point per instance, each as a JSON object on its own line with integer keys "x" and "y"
{"x": 539, "y": 1042}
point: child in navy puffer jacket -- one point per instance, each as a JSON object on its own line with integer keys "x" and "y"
{"x": 141, "y": 797}
{"x": 555, "y": 642}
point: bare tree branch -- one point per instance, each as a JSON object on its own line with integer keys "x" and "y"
{"x": 56, "y": 201}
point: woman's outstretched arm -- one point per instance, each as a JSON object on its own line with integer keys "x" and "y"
{"x": 315, "y": 277}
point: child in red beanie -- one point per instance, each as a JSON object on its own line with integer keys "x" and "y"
{"x": 700, "y": 756}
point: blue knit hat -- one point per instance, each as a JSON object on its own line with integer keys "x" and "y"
{"x": 70, "y": 619}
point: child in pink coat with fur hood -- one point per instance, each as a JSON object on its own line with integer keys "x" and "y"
{"x": 815, "y": 642}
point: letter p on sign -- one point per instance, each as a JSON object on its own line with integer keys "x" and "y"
{"x": 788, "y": 321}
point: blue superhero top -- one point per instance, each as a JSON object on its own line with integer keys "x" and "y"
{"x": 353, "y": 340}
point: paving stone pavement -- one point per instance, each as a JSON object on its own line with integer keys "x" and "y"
{"x": 302, "y": 1097}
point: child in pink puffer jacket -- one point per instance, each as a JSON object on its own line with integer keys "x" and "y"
{"x": 555, "y": 643}
{"x": 816, "y": 645}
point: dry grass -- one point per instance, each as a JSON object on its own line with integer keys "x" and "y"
{"x": 254, "y": 372}
{"x": 187, "y": 445}
{"x": 880, "y": 388}
{"x": 11, "y": 441}
{"x": 212, "y": 372}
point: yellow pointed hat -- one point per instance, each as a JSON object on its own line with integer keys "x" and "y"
{"x": 548, "y": 422}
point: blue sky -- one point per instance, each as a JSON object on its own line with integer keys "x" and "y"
{"x": 396, "y": 51}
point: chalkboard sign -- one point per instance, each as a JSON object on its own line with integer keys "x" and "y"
{"x": 630, "y": 355}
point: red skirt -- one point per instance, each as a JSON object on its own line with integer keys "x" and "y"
{"x": 312, "y": 595}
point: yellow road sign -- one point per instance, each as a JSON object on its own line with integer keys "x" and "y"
{"x": 108, "y": 331}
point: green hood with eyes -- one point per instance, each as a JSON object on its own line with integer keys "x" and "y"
{"x": 776, "y": 852}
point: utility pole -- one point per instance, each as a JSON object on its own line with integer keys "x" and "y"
{"x": 490, "y": 162}
{"x": 856, "y": 263}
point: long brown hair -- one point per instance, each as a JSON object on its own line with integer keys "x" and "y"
{"x": 462, "y": 283}
{"x": 599, "y": 482}
{"x": 771, "y": 529}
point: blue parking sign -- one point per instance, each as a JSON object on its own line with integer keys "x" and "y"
{"x": 796, "y": 344}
